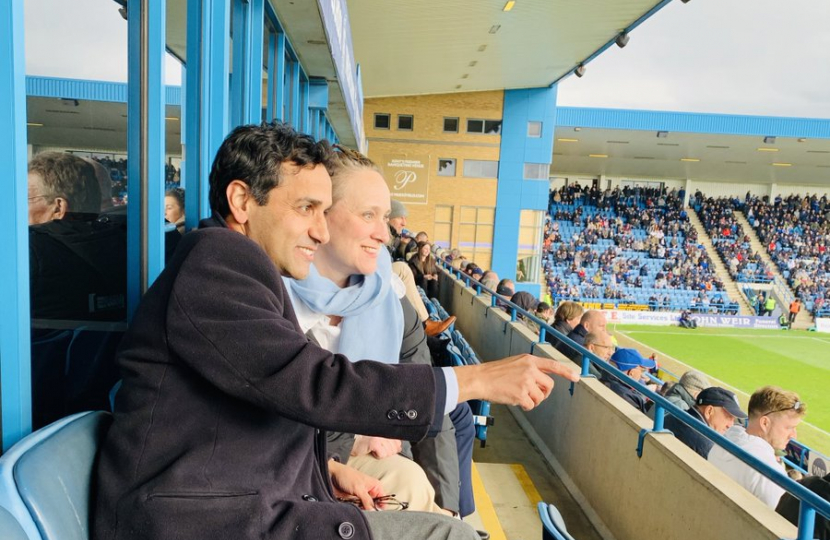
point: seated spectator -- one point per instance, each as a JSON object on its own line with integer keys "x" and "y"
{"x": 349, "y": 293}
{"x": 174, "y": 208}
{"x": 685, "y": 392}
{"x": 717, "y": 408}
{"x": 789, "y": 505}
{"x": 526, "y": 301}
{"x": 425, "y": 269}
{"x": 630, "y": 362}
{"x": 591, "y": 321}
{"x": 773, "y": 416}
{"x": 686, "y": 320}
{"x": 505, "y": 288}
{"x": 601, "y": 345}
{"x": 77, "y": 261}
{"x": 567, "y": 317}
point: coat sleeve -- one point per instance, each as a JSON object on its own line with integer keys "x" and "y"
{"x": 229, "y": 319}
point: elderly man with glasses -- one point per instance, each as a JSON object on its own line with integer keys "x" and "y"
{"x": 773, "y": 416}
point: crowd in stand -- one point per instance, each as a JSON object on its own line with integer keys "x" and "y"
{"x": 117, "y": 168}
{"x": 731, "y": 241}
{"x": 796, "y": 232}
{"x": 604, "y": 272}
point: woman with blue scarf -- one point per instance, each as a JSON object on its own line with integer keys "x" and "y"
{"x": 351, "y": 303}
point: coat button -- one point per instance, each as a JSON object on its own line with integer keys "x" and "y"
{"x": 345, "y": 530}
{"x": 392, "y": 414}
{"x": 401, "y": 415}
{"x": 412, "y": 414}
{"x": 310, "y": 498}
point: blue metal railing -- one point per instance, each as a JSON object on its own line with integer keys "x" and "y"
{"x": 810, "y": 502}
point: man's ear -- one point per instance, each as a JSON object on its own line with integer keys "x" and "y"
{"x": 239, "y": 200}
{"x": 61, "y": 208}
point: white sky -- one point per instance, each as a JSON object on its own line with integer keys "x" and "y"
{"x": 765, "y": 57}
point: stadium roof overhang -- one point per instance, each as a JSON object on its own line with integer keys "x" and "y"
{"x": 429, "y": 47}
{"x": 437, "y": 47}
{"x": 700, "y": 147}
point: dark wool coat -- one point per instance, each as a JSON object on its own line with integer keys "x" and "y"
{"x": 218, "y": 427}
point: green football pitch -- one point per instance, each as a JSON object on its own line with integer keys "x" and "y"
{"x": 745, "y": 360}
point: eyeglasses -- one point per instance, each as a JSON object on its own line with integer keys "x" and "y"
{"x": 795, "y": 407}
{"x": 37, "y": 197}
{"x": 387, "y": 502}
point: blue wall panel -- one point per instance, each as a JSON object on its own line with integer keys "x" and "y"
{"x": 723, "y": 124}
{"x": 514, "y": 193}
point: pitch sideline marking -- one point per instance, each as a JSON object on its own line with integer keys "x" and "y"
{"x": 737, "y": 391}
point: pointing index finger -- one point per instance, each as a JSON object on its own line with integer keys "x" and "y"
{"x": 556, "y": 368}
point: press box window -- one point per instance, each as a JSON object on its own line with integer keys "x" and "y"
{"x": 477, "y": 168}
{"x": 534, "y": 129}
{"x": 536, "y": 171}
{"x": 446, "y": 167}
{"x": 487, "y": 127}
{"x": 450, "y": 125}
{"x": 382, "y": 120}
{"x": 405, "y": 122}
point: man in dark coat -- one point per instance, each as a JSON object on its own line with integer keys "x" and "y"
{"x": 717, "y": 408}
{"x": 219, "y": 426}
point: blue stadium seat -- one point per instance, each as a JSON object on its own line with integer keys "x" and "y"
{"x": 553, "y": 526}
{"x": 10, "y": 527}
{"x": 45, "y": 478}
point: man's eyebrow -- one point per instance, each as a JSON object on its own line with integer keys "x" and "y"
{"x": 309, "y": 200}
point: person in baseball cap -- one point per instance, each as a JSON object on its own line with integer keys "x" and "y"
{"x": 717, "y": 408}
{"x": 630, "y": 362}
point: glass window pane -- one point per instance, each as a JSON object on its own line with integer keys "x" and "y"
{"x": 405, "y": 122}
{"x": 475, "y": 126}
{"x": 446, "y": 167}
{"x": 468, "y": 214}
{"x": 536, "y": 171}
{"x": 451, "y": 125}
{"x": 382, "y": 120}
{"x": 492, "y": 127}
{"x": 534, "y": 129}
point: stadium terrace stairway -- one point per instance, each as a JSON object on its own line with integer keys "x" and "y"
{"x": 729, "y": 286}
{"x": 804, "y": 319}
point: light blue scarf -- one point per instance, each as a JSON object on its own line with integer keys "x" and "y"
{"x": 372, "y": 325}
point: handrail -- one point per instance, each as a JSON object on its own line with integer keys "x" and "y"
{"x": 810, "y": 504}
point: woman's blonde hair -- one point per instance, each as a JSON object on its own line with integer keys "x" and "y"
{"x": 568, "y": 310}
{"x": 341, "y": 164}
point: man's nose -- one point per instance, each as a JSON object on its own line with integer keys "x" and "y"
{"x": 319, "y": 231}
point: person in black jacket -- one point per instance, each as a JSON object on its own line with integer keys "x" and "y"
{"x": 219, "y": 425}
{"x": 717, "y": 408}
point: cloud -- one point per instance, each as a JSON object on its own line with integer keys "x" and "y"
{"x": 81, "y": 39}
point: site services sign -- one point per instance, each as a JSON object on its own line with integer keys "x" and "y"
{"x": 407, "y": 177}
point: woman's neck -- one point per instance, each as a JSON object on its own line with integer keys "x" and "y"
{"x": 329, "y": 271}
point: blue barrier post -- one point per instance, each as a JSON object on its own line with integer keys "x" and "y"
{"x": 659, "y": 416}
{"x": 806, "y": 521}
{"x": 542, "y": 334}
{"x": 512, "y": 314}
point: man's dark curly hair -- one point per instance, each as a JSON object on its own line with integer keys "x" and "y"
{"x": 254, "y": 154}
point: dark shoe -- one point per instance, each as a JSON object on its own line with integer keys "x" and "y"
{"x": 433, "y": 328}
{"x": 484, "y": 535}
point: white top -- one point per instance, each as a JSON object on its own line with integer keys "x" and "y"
{"x": 328, "y": 336}
{"x": 758, "y": 484}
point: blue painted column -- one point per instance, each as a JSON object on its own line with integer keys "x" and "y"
{"x": 146, "y": 23}
{"x": 15, "y": 354}
{"x": 279, "y": 78}
{"x": 246, "y": 81}
{"x": 208, "y": 27}
{"x": 318, "y": 102}
{"x": 514, "y": 193}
